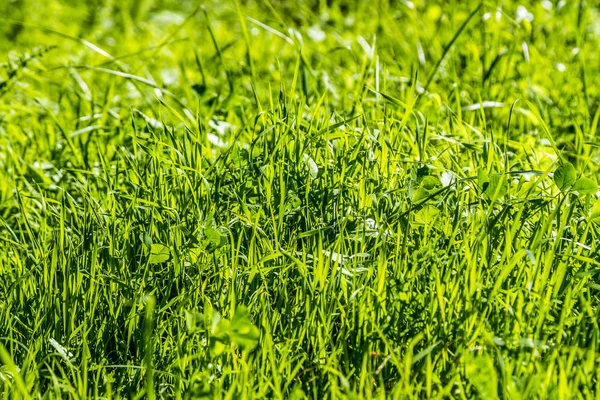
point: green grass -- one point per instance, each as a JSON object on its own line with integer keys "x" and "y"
{"x": 313, "y": 199}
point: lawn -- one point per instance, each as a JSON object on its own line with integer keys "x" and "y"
{"x": 319, "y": 199}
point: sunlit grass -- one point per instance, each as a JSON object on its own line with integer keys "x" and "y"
{"x": 299, "y": 200}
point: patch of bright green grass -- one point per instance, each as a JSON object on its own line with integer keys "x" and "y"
{"x": 314, "y": 199}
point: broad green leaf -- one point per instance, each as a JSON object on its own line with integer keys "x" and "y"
{"x": 420, "y": 195}
{"x": 497, "y": 186}
{"x": 595, "y": 217}
{"x": 159, "y": 253}
{"x": 430, "y": 183}
{"x": 565, "y": 176}
{"x": 242, "y": 331}
{"x": 426, "y": 188}
{"x": 215, "y": 238}
{"x": 427, "y": 215}
{"x": 147, "y": 241}
{"x": 195, "y": 254}
{"x": 483, "y": 180}
{"x": 217, "y": 346}
{"x": 219, "y": 329}
{"x": 293, "y": 199}
{"x": 492, "y": 186}
{"x": 193, "y": 320}
{"x": 239, "y": 331}
{"x": 482, "y": 374}
{"x": 585, "y": 186}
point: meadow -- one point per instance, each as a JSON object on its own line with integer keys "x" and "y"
{"x": 320, "y": 199}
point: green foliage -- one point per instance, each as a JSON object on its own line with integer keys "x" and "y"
{"x": 565, "y": 176}
{"x": 492, "y": 186}
{"x": 481, "y": 373}
{"x": 240, "y": 331}
{"x": 585, "y": 186}
{"x": 215, "y": 238}
{"x": 159, "y": 253}
{"x": 595, "y": 213}
{"x": 299, "y": 199}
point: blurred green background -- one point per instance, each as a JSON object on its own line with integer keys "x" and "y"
{"x": 543, "y": 51}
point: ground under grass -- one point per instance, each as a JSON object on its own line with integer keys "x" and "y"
{"x": 312, "y": 199}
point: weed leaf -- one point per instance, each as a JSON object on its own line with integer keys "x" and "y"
{"x": 159, "y": 253}
{"x": 585, "y": 186}
{"x": 565, "y": 176}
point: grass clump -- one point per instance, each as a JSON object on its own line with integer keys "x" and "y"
{"x": 324, "y": 199}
